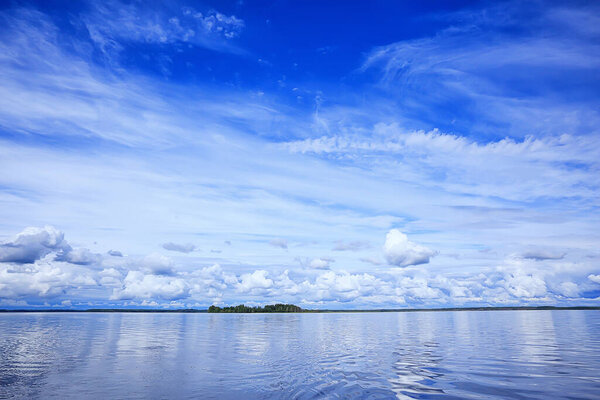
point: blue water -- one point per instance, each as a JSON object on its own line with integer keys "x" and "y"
{"x": 429, "y": 355}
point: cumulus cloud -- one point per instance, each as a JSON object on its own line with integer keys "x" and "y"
{"x": 138, "y": 285}
{"x": 279, "y": 242}
{"x": 32, "y": 244}
{"x": 212, "y": 281}
{"x": 182, "y": 248}
{"x": 401, "y": 252}
{"x": 256, "y": 281}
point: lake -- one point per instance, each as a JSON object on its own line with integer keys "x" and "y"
{"x": 426, "y": 355}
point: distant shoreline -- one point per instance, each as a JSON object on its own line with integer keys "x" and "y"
{"x": 383, "y": 310}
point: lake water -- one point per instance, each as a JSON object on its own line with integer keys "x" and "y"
{"x": 430, "y": 355}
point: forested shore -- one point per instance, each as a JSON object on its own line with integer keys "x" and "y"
{"x": 274, "y": 308}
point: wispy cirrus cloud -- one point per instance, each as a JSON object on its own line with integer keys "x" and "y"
{"x": 457, "y": 162}
{"x": 507, "y": 67}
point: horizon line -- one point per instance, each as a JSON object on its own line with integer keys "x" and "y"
{"x": 198, "y": 310}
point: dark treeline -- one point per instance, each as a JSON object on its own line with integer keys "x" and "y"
{"x": 274, "y": 308}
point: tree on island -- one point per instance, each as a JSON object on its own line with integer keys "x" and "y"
{"x": 273, "y": 308}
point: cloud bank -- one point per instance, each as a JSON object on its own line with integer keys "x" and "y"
{"x": 158, "y": 281}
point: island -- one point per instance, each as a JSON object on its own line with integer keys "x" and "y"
{"x": 274, "y": 308}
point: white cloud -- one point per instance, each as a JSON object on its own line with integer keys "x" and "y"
{"x": 401, "y": 252}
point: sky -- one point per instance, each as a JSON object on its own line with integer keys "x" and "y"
{"x": 364, "y": 154}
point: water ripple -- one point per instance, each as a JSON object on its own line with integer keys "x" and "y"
{"x": 451, "y": 355}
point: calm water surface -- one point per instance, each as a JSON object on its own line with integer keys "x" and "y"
{"x": 429, "y": 355}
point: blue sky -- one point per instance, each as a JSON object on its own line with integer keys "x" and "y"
{"x": 371, "y": 154}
